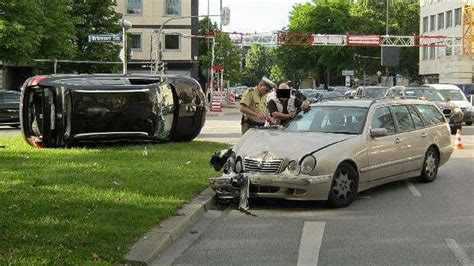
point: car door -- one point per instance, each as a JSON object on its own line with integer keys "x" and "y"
{"x": 411, "y": 141}
{"x": 382, "y": 151}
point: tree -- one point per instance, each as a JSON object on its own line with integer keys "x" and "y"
{"x": 369, "y": 17}
{"x": 277, "y": 74}
{"x": 226, "y": 53}
{"x": 342, "y": 17}
{"x": 205, "y": 27}
{"x": 327, "y": 17}
{"x": 95, "y": 17}
{"x": 32, "y": 29}
{"x": 257, "y": 64}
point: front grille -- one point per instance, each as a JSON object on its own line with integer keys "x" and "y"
{"x": 263, "y": 189}
{"x": 268, "y": 166}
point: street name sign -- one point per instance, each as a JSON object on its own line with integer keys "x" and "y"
{"x": 105, "y": 38}
{"x": 348, "y": 72}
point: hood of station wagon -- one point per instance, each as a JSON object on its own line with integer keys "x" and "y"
{"x": 279, "y": 144}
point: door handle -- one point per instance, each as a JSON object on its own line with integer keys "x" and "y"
{"x": 397, "y": 140}
{"x": 423, "y": 135}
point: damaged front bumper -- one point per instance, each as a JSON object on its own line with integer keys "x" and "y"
{"x": 283, "y": 185}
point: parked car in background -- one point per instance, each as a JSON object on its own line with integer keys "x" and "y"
{"x": 337, "y": 149}
{"x": 341, "y": 89}
{"x": 310, "y": 94}
{"x": 314, "y": 96}
{"x": 66, "y": 109}
{"x": 450, "y": 110}
{"x": 9, "y": 108}
{"x": 455, "y": 95}
{"x": 238, "y": 90}
{"x": 373, "y": 92}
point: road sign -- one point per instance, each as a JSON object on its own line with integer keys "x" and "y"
{"x": 105, "y": 38}
{"x": 348, "y": 72}
{"x": 348, "y": 81}
{"x": 379, "y": 73}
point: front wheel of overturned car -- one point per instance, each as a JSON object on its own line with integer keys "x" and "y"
{"x": 430, "y": 166}
{"x": 344, "y": 186}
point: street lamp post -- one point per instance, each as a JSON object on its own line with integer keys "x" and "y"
{"x": 125, "y": 26}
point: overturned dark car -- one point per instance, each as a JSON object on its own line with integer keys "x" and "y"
{"x": 59, "y": 110}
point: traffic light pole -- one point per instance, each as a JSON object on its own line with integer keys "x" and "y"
{"x": 159, "y": 55}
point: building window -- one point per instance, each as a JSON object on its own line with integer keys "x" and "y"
{"x": 440, "y": 21}
{"x": 173, "y": 7}
{"x": 449, "y": 18}
{"x": 425, "y": 24}
{"x": 432, "y": 22}
{"x": 134, "y": 7}
{"x": 172, "y": 42}
{"x": 432, "y": 52}
{"x": 424, "y": 54}
{"x": 457, "y": 17}
{"x": 136, "y": 42}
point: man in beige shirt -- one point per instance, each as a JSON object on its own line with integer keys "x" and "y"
{"x": 253, "y": 107}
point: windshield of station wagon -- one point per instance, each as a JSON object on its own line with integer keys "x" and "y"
{"x": 455, "y": 95}
{"x": 330, "y": 119}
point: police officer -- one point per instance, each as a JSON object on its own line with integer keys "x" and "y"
{"x": 253, "y": 106}
{"x": 285, "y": 106}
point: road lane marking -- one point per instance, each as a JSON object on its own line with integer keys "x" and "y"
{"x": 458, "y": 252}
{"x": 413, "y": 189}
{"x": 311, "y": 238}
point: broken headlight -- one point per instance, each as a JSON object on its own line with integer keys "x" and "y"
{"x": 293, "y": 168}
{"x": 229, "y": 165}
{"x": 238, "y": 166}
{"x": 219, "y": 159}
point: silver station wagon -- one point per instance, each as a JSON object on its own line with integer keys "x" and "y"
{"x": 336, "y": 150}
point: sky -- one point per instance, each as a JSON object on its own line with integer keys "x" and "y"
{"x": 248, "y": 16}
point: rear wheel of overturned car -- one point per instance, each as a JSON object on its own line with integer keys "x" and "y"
{"x": 430, "y": 166}
{"x": 344, "y": 186}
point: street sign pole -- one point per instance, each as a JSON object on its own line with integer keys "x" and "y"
{"x": 124, "y": 41}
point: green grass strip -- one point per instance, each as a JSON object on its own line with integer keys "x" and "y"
{"x": 89, "y": 205}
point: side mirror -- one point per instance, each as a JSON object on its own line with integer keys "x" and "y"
{"x": 378, "y": 132}
{"x": 448, "y": 99}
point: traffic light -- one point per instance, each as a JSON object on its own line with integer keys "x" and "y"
{"x": 161, "y": 67}
{"x": 225, "y": 16}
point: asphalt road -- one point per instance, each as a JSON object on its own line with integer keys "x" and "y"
{"x": 401, "y": 223}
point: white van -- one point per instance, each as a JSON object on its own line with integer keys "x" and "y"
{"x": 456, "y": 96}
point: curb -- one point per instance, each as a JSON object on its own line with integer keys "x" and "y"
{"x": 160, "y": 237}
